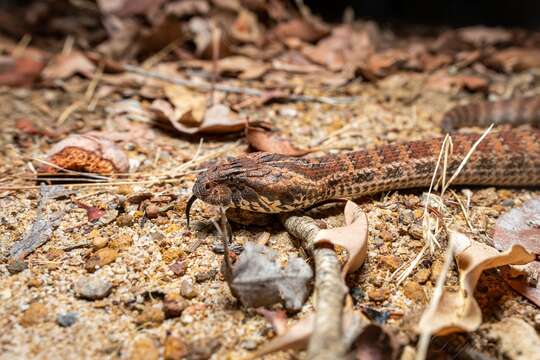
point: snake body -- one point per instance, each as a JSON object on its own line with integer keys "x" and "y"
{"x": 272, "y": 183}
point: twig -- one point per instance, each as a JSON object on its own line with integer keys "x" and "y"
{"x": 327, "y": 341}
{"x": 205, "y": 86}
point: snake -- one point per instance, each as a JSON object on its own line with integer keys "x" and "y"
{"x": 273, "y": 183}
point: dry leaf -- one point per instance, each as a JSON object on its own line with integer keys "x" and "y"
{"x": 300, "y": 28}
{"x": 244, "y": 67}
{"x": 515, "y": 59}
{"x": 258, "y": 280}
{"x": 262, "y": 137}
{"x": 246, "y": 28}
{"x": 189, "y": 105}
{"x": 446, "y": 83}
{"x": 63, "y": 66}
{"x": 522, "y": 287}
{"x": 86, "y": 153}
{"x": 519, "y": 226}
{"x": 459, "y": 311}
{"x": 352, "y": 236}
{"x": 20, "y": 71}
{"x": 187, "y": 8}
{"x": 482, "y": 35}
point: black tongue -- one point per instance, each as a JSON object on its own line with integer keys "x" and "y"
{"x": 188, "y": 208}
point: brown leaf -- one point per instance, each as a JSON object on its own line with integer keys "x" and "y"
{"x": 20, "y": 71}
{"x": 246, "y": 28}
{"x": 352, "y": 236}
{"x": 242, "y": 66}
{"x": 189, "y": 105}
{"x": 515, "y": 59}
{"x": 482, "y": 35}
{"x": 443, "y": 82}
{"x": 384, "y": 63}
{"x": 129, "y": 7}
{"x": 63, "y": 66}
{"x": 459, "y": 311}
{"x": 187, "y": 8}
{"x": 302, "y": 29}
{"x": 522, "y": 287}
{"x": 519, "y": 226}
{"x": 86, "y": 153}
{"x": 262, "y": 137}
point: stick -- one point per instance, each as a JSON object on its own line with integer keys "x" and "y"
{"x": 205, "y": 86}
{"x": 327, "y": 341}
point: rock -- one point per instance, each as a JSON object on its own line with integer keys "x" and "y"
{"x": 35, "y": 314}
{"x": 206, "y": 275}
{"x": 416, "y": 231}
{"x": 173, "y": 305}
{"x": 151, "y": 315}
{"x": 386, "y": 235}
{"x": 99, "y": 242}
{"x": 174, "y": 348}
{"x": 16, "y": 266}
{"x": 124, "y": 220}
{"x": 414, "y": 291}
{"x": 204, "y": 348}
{"x": 186, "y": 288}
{"x": 249, "y": 344}
{"x": 92, "y": 288}
{"x": 100, "y": 258}
{"x": 392, "y": 261}
{"x": 436, "y": 269}
{"x": 152, "y": 211}
{"x": 144, "y": 348}
{"x": 378, "y": 294}
{"x": 66, "y": 319}
{"x": 121, "y": 242}
{"x": 422, "y": 275}
{"x": 178, "y": 268}
{"x": 34, "y": 282}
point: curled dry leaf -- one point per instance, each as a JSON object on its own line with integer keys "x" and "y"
{"x": 88, "y": 154}
{"x": 20, "y": 71}
{"x": 302, "y": 29}
{"x": 482, "y": 35}
{"x": 189, "y": 105}
{"x": 352, "y": 236}
{"x": 459, "y": 311}
{"x": 519, "y": 226}
{"x": 297, "y": 336}
{"x": 63, "y": 66}
{"x": 246, "y": 28}
{"x": 244, "y": 67}
{"x": 443, "y": 82}
{"x": 261, "y": 136}
{"x": 258, "y": 280}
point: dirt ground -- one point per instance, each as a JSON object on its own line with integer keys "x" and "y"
{"x": 167, "y": 291}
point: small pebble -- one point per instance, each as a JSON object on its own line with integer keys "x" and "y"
{"x": 34, "y": 282}
{"x": 144, "y": 348}
{"x": 124, "y": 220}
{"x": 92, "y": 288}
{"x": 436, "y": 269}
{"x": 386, "y": 235}
{"x": 174, "y": 348}
{"x": 378, "y": 294}
{"x": 66, "y": 319}
{"x": 16, "y": 266}
{"x": 206, "y": 275}
{"x": 186, "y": 288}
{"x": 414, "y": 291}
{"x": 422, "y": 275}
{"x": 249, "y": 344}
{"x": 99, "y": 242}
{"x": 35, "y": 314}
{"x": 416, "y": 231}
{"x": 100, "y": 258}
{"x": 174, "y": 305}
{"x": 152, "y": 315}
{"x": 178, "y": 268}
{"x": 508, "y": 202}
{"x": 152, "y": 211}
{"x": 392, "y": 261}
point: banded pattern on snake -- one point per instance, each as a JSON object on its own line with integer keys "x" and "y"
{"x": 271, "y": 183}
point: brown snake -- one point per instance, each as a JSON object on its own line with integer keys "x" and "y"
{"x": 272, "y": 183}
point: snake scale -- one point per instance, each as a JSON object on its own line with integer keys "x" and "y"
{"x": 272, "y": 183}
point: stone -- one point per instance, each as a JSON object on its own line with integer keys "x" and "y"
{"x": 144, "y": 348}
{"x": 66, "y": 319}
{"x": 174, "y": 305}
{"x": 174, "y": 348}
{"x": 152, "y": 211}
{"x": 92, "y": 288}
{"x": 386, "y": 235}
{"x": 206, "y": 275}
{"x": 178, "y": 268}
{"x": 124, "y": 220}
{"x": 151, "y": 315}
{"x": 99, "y": 242}
{"x": 414, "y": 291}
{"x": 34, "y": 282}
{"x": 422, "y": 275}
{"x": 35, "y": 314}
{"x": 16, "y": 266}
{"x": 187, "y": 289}
{"x": 436, "y": 269}
{"x": 100, "y": 258}
{"x": 378, "y": 294}
{"x": 392, "y": 261}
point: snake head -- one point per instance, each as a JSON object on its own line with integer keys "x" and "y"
{"x": 255, "y": 182}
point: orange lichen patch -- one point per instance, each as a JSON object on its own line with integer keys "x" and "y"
{"x": 88, "y": 154}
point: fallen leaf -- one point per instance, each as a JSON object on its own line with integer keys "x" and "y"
{"x": 482, "y": 35}
{"x": 258, "y": 280}
{"x": 63, "y": 66}
{"x": 519, "y": 226}
{"x": 244, "y": 67}
{"x": 522, "y": 287}
{"x": 187, "y": 8}
{"x": 300, "y": 28}
{"x": 352, "y": 236}
{"x": 384, "y": 63}
{"x": 20, "y": 71}
{"x": 459, "y": 311}
{"x": 516, "y": 339}
{"x": 443, "y": 82}
{"x": 189, "y": 105}
{"x": 129, "y": 7}
{"x": 86, "y": 153}
{"x": 246, "y": 28}
{"x": 218, "y": 119}
{"x": 514, "y": 59}
{"x": 261, "y": 136}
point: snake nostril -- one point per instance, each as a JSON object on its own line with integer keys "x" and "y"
{"x": 207, "y": 186}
